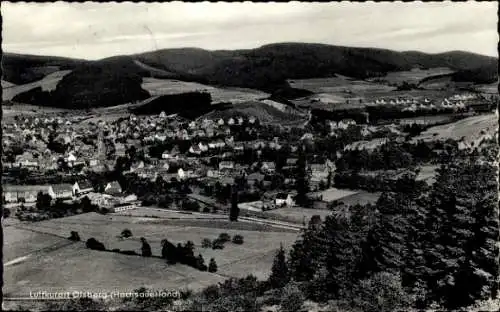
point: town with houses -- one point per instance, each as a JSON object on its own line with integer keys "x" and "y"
{"x": 183, "y": 157}
{"x": 63, "y": 152}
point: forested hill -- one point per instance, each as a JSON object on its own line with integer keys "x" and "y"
{"x": 265, "y": 68}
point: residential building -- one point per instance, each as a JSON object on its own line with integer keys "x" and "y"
{"x": 61, "y": 191}
{"x": 284, "y": 199}
{"x": 113, "y": 188}
{"x": 82, "y": 188}
{"x": 24, "y": 193}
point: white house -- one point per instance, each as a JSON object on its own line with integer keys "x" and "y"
{"x": 181, "y": 173}
{"x": 226, "y": 165}
{"x": 61, "y": 191}
{"x": 283, "y": 199}
{"x": 82, "y": 187}
{"x": 113, "y": 188}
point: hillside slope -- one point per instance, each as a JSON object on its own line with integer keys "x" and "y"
{"x": 266, "y": 68}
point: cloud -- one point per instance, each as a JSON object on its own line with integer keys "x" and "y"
{"x": 97, "y": 30}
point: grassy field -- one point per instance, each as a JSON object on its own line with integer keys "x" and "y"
{"x": 338, "y": 85}
{"x": 361, "y": 198}
{"x": 48, "y": 83}
{"x": 411, "y": 76}
{"x": 234, "y": 258}
{"x": 162, "y": 213}
{"x": 298, "y": 214}
{"x": 19, "y": 242}
{"x": 169, "y": 86}
{"x": 76, "y": 268}
{"x": 265, "y": 113}
{"x": 427, "y": 173}
{"x": 332, "y": 194}
{"x": 469, "y": 128}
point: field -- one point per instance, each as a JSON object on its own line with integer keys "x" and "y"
{"x": 298, "y": 214}
{"x": 19, "y": 242}
{"x": 76, "y": 268}
{"x": 265, "y": 113}
{"x": 470, "y": 128}
{"x": 339, "y": 85}
{"x": 48, "y": 83}
{"x": 332, "y": 194}
{"x": 411, "y": 76}
{"x": 52, "y": 266}
{"x": 491, "y": 88}
{"x": 169, "y": 86}
{"x": 427, "y": 173}
{"x": 361, "y": 198}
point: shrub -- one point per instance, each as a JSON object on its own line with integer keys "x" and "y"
{"x": 206, "y": 243}
{"x": 381, "y": 292}
{"x": 292, "y": 298}
{"x": 238, "y": 239}
{"x": 212, "y": 266}
{"x": 129, "y": 252}
{"x": 217, "y": 244}
{"x": 126, "y": 233}
{"x": 224, "y": 237}
{"x": 94, "y": 244}
{"x": 74, "y": 236}
{"x": 6, "y": 212}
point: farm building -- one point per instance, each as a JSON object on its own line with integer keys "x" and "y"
{"x": 113, "y": 188}
{"x": 82, "y": 187}
{"x": 26, "y": 193}
{"x": 61, "y": 191}
{"x": 284, "y": 199}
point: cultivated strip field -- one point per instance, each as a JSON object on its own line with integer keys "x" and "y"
{"x": 169, "y": 86}
{"x": 470, "y": 128}
{"x": 411, "y": 76}
{"x": 339, "y": 85}
{"x": 48, "y": 83}
{"x": 253, "y": 257}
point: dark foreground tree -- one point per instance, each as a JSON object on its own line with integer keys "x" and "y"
{"x": 234, "y": 211}
{"x": 212, "y": 266}
{"x": 146, "y": 248}
{"x": 279, "y": 272}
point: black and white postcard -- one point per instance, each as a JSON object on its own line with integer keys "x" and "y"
{"x": 281, "y": 157}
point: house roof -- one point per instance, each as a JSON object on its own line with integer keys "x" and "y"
{"x": 114, "y": 185}
{"x": 282, "y": 196}
{"x": 85, "y": 184}
{"x": 25, "y": 188}
{"x": 65, "y": 187}
{"x": 269, "y": 164}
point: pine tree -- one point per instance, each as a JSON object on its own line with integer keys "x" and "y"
{"x": 303, "y": 261}
{"x": 212, "y": 266}
{"x": 234, "y": 211}
{"x": 279, "y": 272}
{"x": 462, "y": 229}
{"x": 384, "y": 249}
{"x": 301, "y": 178}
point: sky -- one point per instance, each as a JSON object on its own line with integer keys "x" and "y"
{"x": 96, "y": 30}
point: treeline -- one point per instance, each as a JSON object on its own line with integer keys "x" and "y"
{"x": 188, "y": 104}
{"x": 393, "y": 155}
{"x": 416, "y": 249}
{"x": 376, "y": 183}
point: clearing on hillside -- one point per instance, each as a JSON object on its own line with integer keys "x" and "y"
{"x": 169, "y": 86}
{"x": 470, "y": 128}
{"x": 76, "y": 268}
{"x": 48, "y": 83}
{"x": 107, "y": 229}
